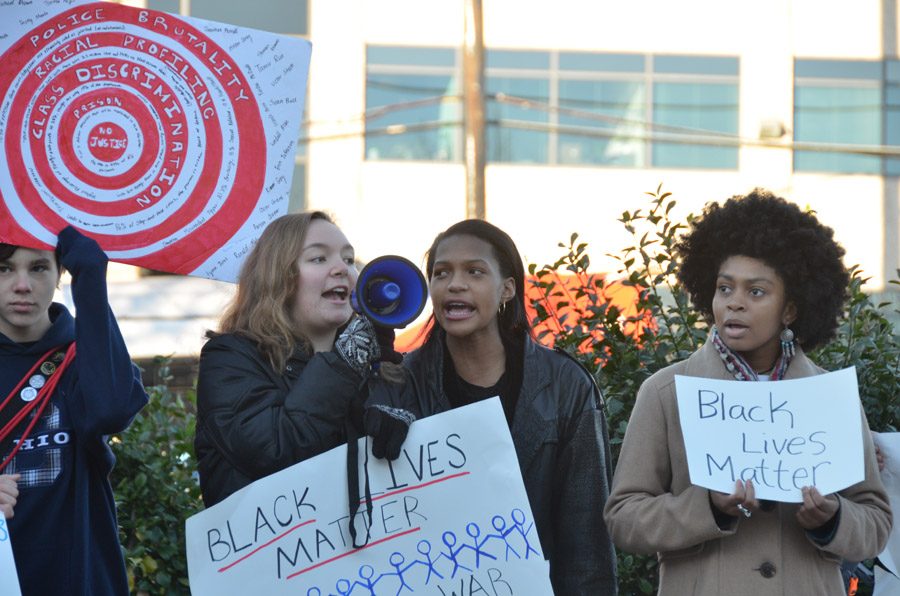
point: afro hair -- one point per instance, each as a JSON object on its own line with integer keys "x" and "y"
{"x": 794, "y": 243}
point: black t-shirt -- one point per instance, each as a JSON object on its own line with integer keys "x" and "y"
{"x": 462, "y": 393}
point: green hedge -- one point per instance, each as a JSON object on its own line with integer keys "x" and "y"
{"x": 155, "y": 481}
{"x": 156, "y": 490}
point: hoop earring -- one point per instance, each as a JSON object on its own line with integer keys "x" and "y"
{"x": 502, "y": 309}
{"x": 788, "y": 346}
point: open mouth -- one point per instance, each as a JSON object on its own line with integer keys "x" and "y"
{"x": 733, "y": 329}
{"x": 458, "y": 310}
{"x": 340, "y": 294}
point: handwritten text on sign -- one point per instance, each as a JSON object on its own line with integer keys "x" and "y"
{"x": 450, "y": 515}
{"x": 169, "y": 140}
{"x": 782, "y": 435}
{"x": 9, "y": 580}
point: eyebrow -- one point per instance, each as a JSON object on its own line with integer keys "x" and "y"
{"x": 323, "y": 246}
{"x": 465, "y": 262}
{"x": 32, "y": 263}
{"x": 752, "y": 280}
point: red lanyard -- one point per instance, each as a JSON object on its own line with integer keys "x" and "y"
{"x": 37, "y": 403}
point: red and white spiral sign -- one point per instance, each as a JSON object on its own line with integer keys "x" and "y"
{"x": 135, "y": 127}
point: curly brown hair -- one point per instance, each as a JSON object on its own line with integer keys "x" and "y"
{"x": 793, "y": 242}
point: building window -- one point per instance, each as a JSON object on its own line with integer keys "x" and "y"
{"x": 603, "y": 107}
{"x": 413, "y": 109}
{"x": 892, "y": 114}
{"x": 695, "y": 98}
{"x": 837, "y": 102}
{"x": 518, "y": 129}
{"x": 549, "y": 107}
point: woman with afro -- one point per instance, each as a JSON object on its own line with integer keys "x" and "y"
{"x": 770, "y": 279}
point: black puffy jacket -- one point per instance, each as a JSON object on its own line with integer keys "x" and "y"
{"x": 253, "y": 421}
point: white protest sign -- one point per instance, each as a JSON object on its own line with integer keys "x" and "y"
{"x": 169, "y": 140}
{"x": 9, "y": 579}
{"x": 889, "y": 443}
{"x": 886, "y": 584}
{"x": 450, "y": 516}
{"x": 782, "y": 435}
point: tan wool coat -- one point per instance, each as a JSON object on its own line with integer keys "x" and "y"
{"x": 654, "y": 507}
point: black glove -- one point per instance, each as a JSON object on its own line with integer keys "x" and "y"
{"x": 357, "y": 345}
{"x": 385, "y": 337}
{"x": 388, "y": 428}
{"x": 77, "y": 251}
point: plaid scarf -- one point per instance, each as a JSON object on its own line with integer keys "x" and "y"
{"x": 739, "y": 367}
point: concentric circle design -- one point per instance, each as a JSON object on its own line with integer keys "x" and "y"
{"x": 133, "y": 126}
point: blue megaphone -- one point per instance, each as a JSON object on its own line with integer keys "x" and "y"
{"x": 391, "y": 291}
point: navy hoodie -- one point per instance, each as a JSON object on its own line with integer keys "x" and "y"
{"x": 64, "y": 531}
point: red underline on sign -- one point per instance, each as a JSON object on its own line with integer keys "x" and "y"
{"x": 416, "y": 487}
{"x": 348, "y": 553}
{"x": 262, "y": 546}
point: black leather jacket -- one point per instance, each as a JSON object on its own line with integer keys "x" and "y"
{"x": 562, "y": 443}
{"x": 253, "y": 421}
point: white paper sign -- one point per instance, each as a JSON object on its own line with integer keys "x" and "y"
{"x": 9, "y": 579}
{"x": 450, "y": 516}
{"x": 169, "y": 140}
{"x": 889, "y": 443}
{"x": 782, "y": 435}
{"x": 886, "y": 584}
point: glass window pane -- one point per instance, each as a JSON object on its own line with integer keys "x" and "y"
{"x": 892, "y": 126}
{"x": 837, "y": 69}
{"x": 700, "y": 106}
{"x": 892, "y": 70}
{"x": 277, "y": 16}
{"x": 706, "y": 65}
{"x": 516, "y": 59}
{"x": 173, "y": 6}
{"x": 407, "y": 56}
{"x": 304, "y": 134}
{"x": 297, "y": 201}
{"x": 843, "y": 115}
{"x": 505, "y": 141}
{"x": 433, "y": 111}
{"x": 592, "y": 62}
{"x": 615, "y": 136}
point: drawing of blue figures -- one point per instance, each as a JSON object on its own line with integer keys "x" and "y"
{"x": 452, "y": 554}
{"x": 343, "y": 587}
{"x": 366, "y": 573}
{"x": 474, "y": 533}
{"x": 502, "y": 534}
{"x": 397, "y": 560}
{"x": 424, "y": 565}
{"x": 414, "y": 573}
{"x": 518, "y": 517}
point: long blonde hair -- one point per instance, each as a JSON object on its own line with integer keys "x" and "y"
{"x": 267, "y": 286}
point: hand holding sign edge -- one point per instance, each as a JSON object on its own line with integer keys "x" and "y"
{"x": 744, "y": 495}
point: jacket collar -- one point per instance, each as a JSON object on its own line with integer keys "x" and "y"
{"x": 706, "y": 362}
{"x": 430, "y": 360}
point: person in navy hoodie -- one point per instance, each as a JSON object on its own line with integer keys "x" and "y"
{"x": 54, "y": 482}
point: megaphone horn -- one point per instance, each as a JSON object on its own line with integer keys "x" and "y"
{"x": 391, "y": 291}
